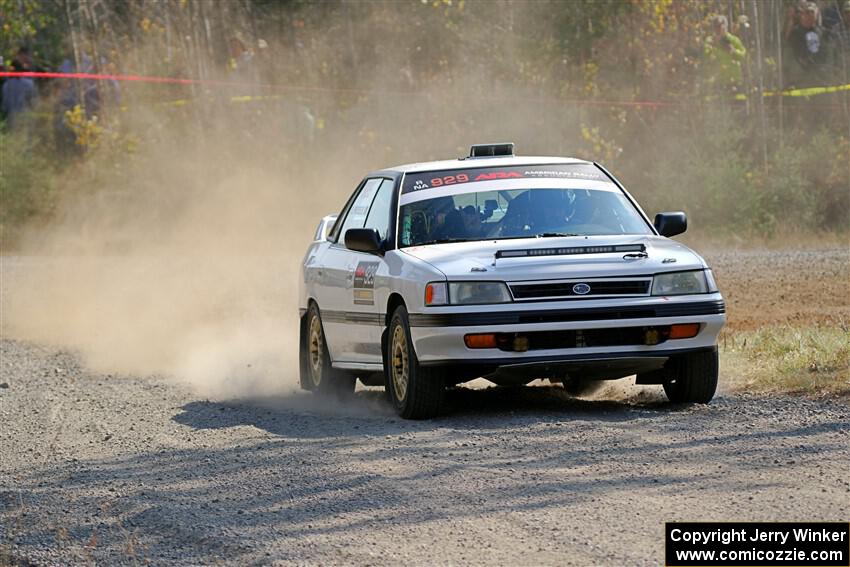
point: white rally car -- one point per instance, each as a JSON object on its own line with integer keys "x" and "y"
{"x": 507, "y": 268}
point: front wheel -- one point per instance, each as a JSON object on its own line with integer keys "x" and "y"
{"x": 416, "y": 392}
{"x": 692, "y": 377}
{"x": 317, "y": 373}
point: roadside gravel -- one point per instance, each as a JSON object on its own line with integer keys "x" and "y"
{"x": 128, "y": 470}
{"x": 763, "y": 287}
{"x": 120, "y": 470}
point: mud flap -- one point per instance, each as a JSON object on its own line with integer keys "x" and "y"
{"x": 303, "y": 356}
{"x": 385, "y": 349}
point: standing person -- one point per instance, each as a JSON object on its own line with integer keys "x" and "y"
{"x": 725, "y": 52}
{"x": 19, "y": 95}
{"x": 808, "y": 46}
{"x": 2, "y": 81}
{"x": 839, "y": 33}
{"x": 241, "y": 62}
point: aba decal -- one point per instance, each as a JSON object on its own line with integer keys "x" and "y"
{"x": 364, "y": 283}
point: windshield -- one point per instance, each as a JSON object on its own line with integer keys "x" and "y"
{"x": 518, "y": 213}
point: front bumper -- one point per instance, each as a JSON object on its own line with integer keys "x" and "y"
{"x": 438, "y": 334}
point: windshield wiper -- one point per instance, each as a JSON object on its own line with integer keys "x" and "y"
{"x": 540, "y": 235}
{"x": 441, "y": 241}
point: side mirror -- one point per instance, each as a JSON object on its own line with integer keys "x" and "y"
{"x": 671, "y": 224}
{"x": 326, "y": 225}
{"x": 363, "y": 240}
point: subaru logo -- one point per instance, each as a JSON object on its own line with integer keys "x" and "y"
{"x": 581, "y": 289}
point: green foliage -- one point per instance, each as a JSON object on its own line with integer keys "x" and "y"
{"x": 710, "y": 164}
{"x": 786, "y": 358}
{"x": 26, "y": 182}
{"x": 20, "y": 23}
{"x": 540, "y": 73}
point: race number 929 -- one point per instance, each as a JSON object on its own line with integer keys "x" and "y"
{"x": 449, "y": 180}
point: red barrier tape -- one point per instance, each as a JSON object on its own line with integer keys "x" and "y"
{"x": 106, "y": 77}
{"x": 178, "y": 81}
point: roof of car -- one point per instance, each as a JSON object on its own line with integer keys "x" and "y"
{"x": 470, "y": 163}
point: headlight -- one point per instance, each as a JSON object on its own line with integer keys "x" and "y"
{"x": 466, "y": 293}
{"x": 469, "y": 293}
{"x": 680, "y": 283}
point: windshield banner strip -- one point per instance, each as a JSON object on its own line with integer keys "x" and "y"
{"x": 505, "y": 185}
{"x": 419, "y": 180}
{"x": 533, "y": 252}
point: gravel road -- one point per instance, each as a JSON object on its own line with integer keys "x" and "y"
{"x": 764, "y": 287}
{"x": 127, "y": 470}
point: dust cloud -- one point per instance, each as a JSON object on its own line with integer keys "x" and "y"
{"x": 175, "y": 249}
{"x": 188, "y": 270}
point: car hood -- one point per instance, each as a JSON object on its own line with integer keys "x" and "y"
{"x": 478, "y": 261}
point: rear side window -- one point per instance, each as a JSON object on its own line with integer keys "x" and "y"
{"x": 359, "y": 210}
{"x": 379, "y": 214}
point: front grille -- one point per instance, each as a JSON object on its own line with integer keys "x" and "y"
{"x": 565, "y": 289}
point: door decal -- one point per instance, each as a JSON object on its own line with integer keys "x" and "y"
{"x": 364, "y": 283}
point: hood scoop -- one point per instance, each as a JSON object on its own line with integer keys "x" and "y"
{"x": 570, "y": 251}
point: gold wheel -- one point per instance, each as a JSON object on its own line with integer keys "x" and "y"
{"x": 399, "y": 363}
{"x": 316, "y": 349}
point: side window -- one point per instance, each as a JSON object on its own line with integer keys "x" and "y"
{"x": 334, "y": 235}
{"x": 379, "y": 214}
{"x": 359, "y": 209}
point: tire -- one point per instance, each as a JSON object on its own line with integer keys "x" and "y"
{"x": 317, "y": 374}
{"x": 416, "y": 392}
{"x": 692, "y": 378}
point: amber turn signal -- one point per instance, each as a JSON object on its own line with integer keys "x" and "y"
{"x": 487, "y": 340}
{"x": 685, "y": 331}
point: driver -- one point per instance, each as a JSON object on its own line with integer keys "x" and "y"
{"x": 550, "y": 210}
{"x": 472, "y": 222}
{"x": 585, "y": 208}
{"x": 448, "y": 221}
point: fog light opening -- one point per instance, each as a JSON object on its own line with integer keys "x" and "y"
{"x": 651, "y": 337}
{"x": 520, "y": 343}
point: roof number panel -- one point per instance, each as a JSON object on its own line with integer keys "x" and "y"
{"x": 416, "y": 181}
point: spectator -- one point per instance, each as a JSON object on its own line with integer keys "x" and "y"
{"x": 839, "y": 32}
{"x": 808, "y": 46}
{"x": 19, "y": 94}
{"x": 831, "y": 14}
{"x": 23, "y": 57}
{"x": 264, "y": 55}
{"x": 90, "y": 94}
{"x": 2, "y": 81}
{"x": 725, "y": 53}
{"x": 241, "y": 61}
{"x": 94, "y": 93}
